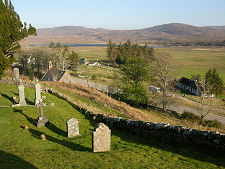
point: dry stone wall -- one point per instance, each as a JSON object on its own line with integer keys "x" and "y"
{"x": 162, "y": 132}
{"x": 166, "y": 133}
{"x": 13, "y": 81}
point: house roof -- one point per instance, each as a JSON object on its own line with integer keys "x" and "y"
{"x": 53, "y": 75}
{"x": 187, "y": 82}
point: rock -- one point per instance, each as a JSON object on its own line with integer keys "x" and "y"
{"x": 26, "y": 127}
{"x": 43, "y": 137}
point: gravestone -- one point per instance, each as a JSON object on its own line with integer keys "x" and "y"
{"x": 22, "y": 100}
{"x": 72, "y": 128}
{"x": 41, "y": 120}
{"x": 37, "y": 93}
{"x": 14, "y": 100}
{"x": 16, "y": 73}
{"x": 101, "y": 138}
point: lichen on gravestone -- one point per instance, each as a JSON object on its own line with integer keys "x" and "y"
{"x": 101, "y": 138}
{"x": 73, "y": 128}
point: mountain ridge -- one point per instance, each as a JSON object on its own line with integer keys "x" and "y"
{"x": 161, "y": 34}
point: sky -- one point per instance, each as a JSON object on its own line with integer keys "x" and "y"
{"x": 120, "y": 14}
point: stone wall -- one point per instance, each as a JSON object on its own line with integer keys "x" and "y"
{"x": 165, "y": 132}
{"x": 13, "y": 81}
{"x": 162, "y": 132}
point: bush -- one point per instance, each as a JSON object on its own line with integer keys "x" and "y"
{"x": 93, "y": 77}
{"x": 206, "y": 123}
{"x": 191, "y": 117}
{"x": 212, "y": 123}
{"x": 135, "y": 95}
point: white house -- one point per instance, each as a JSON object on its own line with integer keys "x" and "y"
{"x": 154, "y": 89}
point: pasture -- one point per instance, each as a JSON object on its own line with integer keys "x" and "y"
{"x": 188, "y": 61}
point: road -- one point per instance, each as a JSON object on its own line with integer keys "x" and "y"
{"x": 180, "y": 109}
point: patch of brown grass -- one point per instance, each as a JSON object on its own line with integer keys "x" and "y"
{"x": 97, "y": 96}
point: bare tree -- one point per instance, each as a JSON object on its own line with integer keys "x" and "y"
{"x": 163, "y": 75}
{"x": 202, "y": 91}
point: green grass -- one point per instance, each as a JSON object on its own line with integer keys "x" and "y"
{"x": 191, "y": 61}
{"x": 103, "y": 74}
{"x": 87, "y": 101}
{"x": 22, "y": 148}
{"x": 91, "y": 53}
{"x": 188, "y": 60}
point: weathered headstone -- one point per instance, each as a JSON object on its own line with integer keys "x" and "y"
{"x": 73, "y": 128}
{"x": 22, "y": 100}
{"x": 37, "y": 93}
{"x": 41, "y": 120}
{"x": 16, "y": 73}
{"x": 101, "y": 138}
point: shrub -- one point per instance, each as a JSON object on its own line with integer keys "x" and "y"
{"x": 212, "y": 123}
{"x": 191, "y": 117}
{"x": 206, "y": 123}
{"x": 93, "y": 77}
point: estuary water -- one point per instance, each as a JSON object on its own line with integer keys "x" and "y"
{"x": 87, "y": 45}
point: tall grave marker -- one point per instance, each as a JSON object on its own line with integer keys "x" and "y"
{"x": 37, "y": 93}
{"x": 22, "y": 100}
{"x": 16, "y": 74}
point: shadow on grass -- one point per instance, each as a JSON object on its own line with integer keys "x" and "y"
{"x": 29, "y": 102}
{"x": 15, "y": 93}
{"x": 30, "y": 120}
{"x": 56, "y": 130}
{"x": 71, "y": 145}
{"x": 9, "y": 98}
{"x": 51, "y": 126}
{"x": 11, "y": 161}
{"x": 194, "y": 152}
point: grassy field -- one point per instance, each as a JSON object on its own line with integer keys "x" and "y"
{"x": 189, "y": 61}
{"x": 194, "y": 61}
{"x": 91, "y": 53}
{"x": 102, "y": 74}
{"x": 21, "y": 148}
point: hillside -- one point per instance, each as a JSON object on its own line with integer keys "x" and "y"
{"x": 167, "y": 33}
{"x": 23, "y": 148}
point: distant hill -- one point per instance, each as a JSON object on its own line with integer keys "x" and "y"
{"x": 162, "y": 34}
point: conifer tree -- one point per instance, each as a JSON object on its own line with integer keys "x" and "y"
{"x": 11, "y": 32}
{"x": 214, "y": 83}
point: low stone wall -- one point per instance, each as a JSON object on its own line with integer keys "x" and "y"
{"x": 8, "y": 80}
{"x": 166, "y": 132}
{"x": 162, "y": 132}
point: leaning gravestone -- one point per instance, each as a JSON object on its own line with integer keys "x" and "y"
{"x": 73, "y": 128}
{"x": 37, "y": 93}
{"x": 101, "y": 138}
{"x": 41, "y": 120}
{"x": 16, "y": 73}
{"x": 22, "y": 100}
